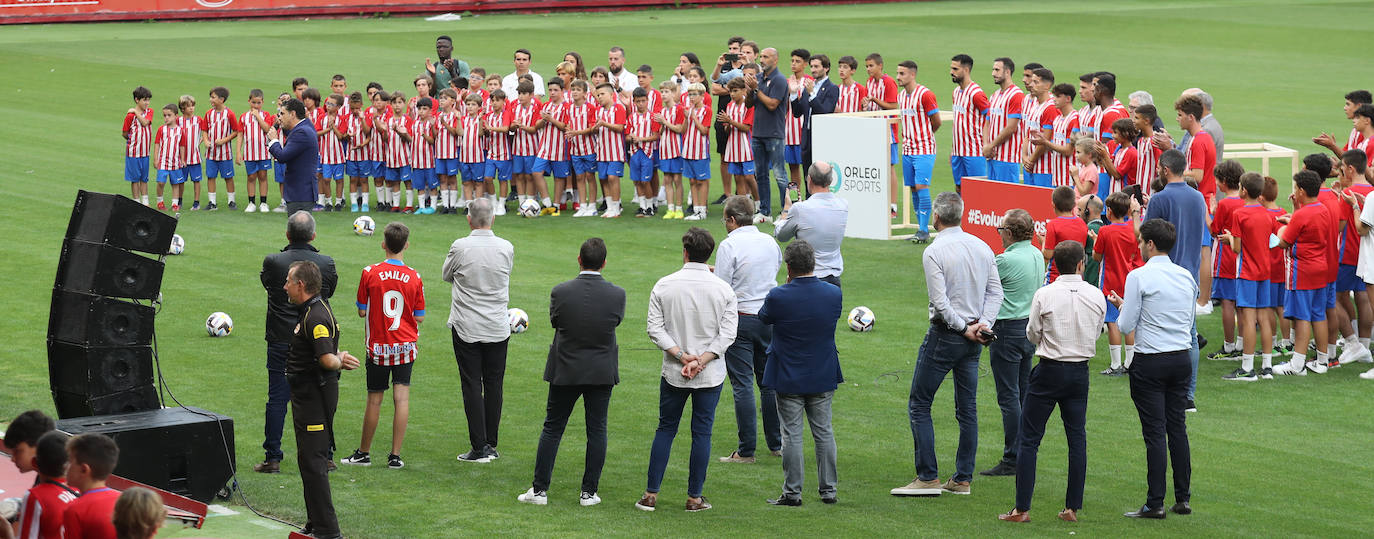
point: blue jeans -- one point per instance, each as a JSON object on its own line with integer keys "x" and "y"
{"x": 671, "y": 401}
{"x": 278, "y": 398}
{"x": 768, "y": 157}
{"x": 943, "y": 351}
{"x": 744, "y": 360}
{"x": 1010, "y": 358}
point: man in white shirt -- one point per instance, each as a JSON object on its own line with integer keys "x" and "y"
{"x": 748, "y": 260}
{"x": 522, "y": 67}
{"x": 692, "y": 318}
{"x": 624, "y": 80}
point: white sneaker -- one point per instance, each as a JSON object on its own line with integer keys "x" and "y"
{"x": 1357, "y": 354}
{"x": 535, "y": 498}
{"x": 1316, "y": 367}
{"x": 1367, "y": 375}
{"x": 1204, "y": 309}
{"x": 250, "y": 208}
{"x": 281, "y": 208}
{"x": 589, "y": 499}
{"x": 694, "y": 217}
{"x": 500, "y": 209}
{"x": 1292, "y": 368}
{"x": 611, "y": 212}
{"x": 262, "y": 207}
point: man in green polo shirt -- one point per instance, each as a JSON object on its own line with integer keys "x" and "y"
{"x": 1021, "y": 267}
{"x": 448, "y": 67}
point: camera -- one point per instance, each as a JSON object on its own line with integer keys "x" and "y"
{"x": 987, "y": 334}
{"x": 731, "y": 57}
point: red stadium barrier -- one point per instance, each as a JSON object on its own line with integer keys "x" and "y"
{"x": 49, "y": 11}
{"x": 987, "y": 202}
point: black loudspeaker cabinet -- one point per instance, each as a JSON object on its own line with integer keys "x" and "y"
{"x": 121, "y": 222}
{"x": 105, "y": 270}
{"x": 99, "y": 321}
{"x": 179, "y": 450}
{"x": 81, "y": 404}
{"x": 98, "y": 370}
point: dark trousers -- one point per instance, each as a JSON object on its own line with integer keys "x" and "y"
{"x": 941, "y": 352}
{"x": 1066, "y": 385}
{"x": 832, "y": 279}
{"x": 482, "y": 369}
{"x": 1159, "y": 387}
{"x": 671, "y": 401}
{"x": 313, "y": 401}
{"x": 1010, "y": 359}
{"x": 595, "y": 403}
{"x": 745, "y": 361}
{"x": 293, "y": 207}
{"x": 278, "y": 398}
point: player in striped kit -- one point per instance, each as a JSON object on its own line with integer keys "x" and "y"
{"x": 397, "y": 132}
{"x": 738, "y": 120}
{"x": 496, "y": 125}
{"x": 645, "y": 77}
{"x": 391, "y": 297}
{"x": 1147, "y": 153}
{"x": 1001, "y": 136}
{"x": 920, "y": 115}
{"x": 1059, "y": 147}
{"x": 610, "y": 147}
{"x": 375, "y": 122}
{"x": 356, "y": 165}
{"x": 792, "y": 134}
{"x": 1108, "y": 112}
{"x": 315, "y": 113}
{"x": 1087, "y": 116}
{"x": 253, "y": 152}
{"x": 221, "y": 128}
{"x": 169, "y": 156}
{"x": 422, "y": 176}
{"x": 1039, "y": 122}
{"x": 696, "y": 148}
{"x": 852, "y": 94}
{"x": 670, "y": 117}
{"x": 970, "y": 109}
{"x": 332, "y": 153}
{"x": 581, "y": 123}
{"x": 447, "y": 138}
{"x": 1353, "y": 100}
{"x": 472, "y": 158}
{"x": 192, "y": 128}
{"x": 137, "y": 139}
{"x": 524, "y": 127}
{"x": 642, "y": 132}
{"x": 1123, "y": 162}
{"x": 551, "y": 157}
{"x": 882, "y": 95}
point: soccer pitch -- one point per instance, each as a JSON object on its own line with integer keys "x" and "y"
{"x": 1286, "y": 457}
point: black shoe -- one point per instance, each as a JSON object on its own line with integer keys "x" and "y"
{"x": 332, "y": 466}
{"x": 394, "y": 462}
{"x": 1181, "y": 508}
{"x": 491, "y": 453}
{"x": 830, "y": 501}
{"x": 601, "y": 206}
{"x": 719, "y": 201}
{"x": 326, "y": 207}
{"x": 1201, "y": 341}
{"x": 511, "y": 197}
{"x": 1146, "y": 512}
{"x": 212, "y": 207}
{"x": 1192, "y": 406}
{"x": 1002, "y": 468}
{"x": 233, "y": 206}
{"x": 783, "y": 500}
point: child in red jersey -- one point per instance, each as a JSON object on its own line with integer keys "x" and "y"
{"x": 1066, "y": 225}
{"x": 221, "y": 128}
{"x": 738, "y": 120}
{"x": 137, "y": 140}
{"x": 1248, "y": 236}
{"x": 1116, "y": 248}
{"x": 1307, "y": 234}
{"x": 1278, "y": 271}
{"x": 1223, "y": 270}
{"x": 91, "y": 458}
{"x": 45, "y": 504}
{"x": 170, "y": 156}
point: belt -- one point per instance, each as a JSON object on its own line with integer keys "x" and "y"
{"x": 742, "y": 313}
{"x": 1063, "y": 363}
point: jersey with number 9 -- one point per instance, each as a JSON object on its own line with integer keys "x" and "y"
{"x": 393, "y": 296}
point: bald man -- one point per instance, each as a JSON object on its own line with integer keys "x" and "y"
{"x": 819, "y": 220}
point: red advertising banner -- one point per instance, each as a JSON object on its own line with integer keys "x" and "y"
{"x": 987, "y": 202}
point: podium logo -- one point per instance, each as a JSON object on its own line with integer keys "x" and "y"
{"x": 856, "y": 179}
{"x": 839, "y": 177}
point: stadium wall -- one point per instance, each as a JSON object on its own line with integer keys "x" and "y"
{"x": 53, "y": 11}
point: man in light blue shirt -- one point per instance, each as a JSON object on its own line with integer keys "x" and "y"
{"x": 819, "y": 221}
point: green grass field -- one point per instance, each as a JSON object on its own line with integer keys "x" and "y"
{"x": 1281, "y": 458}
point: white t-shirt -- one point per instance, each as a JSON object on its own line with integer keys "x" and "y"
{"x": 509, "y": 82}
{"x": 1365, "y": 269}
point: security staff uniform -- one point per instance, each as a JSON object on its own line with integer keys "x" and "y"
{"x": 314, "y": 397}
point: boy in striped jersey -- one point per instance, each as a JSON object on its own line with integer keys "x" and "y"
{"x": 920, "y": 116}
{"x": 852, "y": 94}
{"x": 738, "y": 118}
{"x": 356, "y": 164}
{"x": 1001, "y": 136}
{"x": 524, "y": 127}
{"x": 374, "y": 127}
{"x": 447, "y": 138}
{"x": 581, "y": 123}
{"x": 792, "y": 135}
{"x": 496, "y": 125}
{"x": 670, "y": 117}
{"x": 253, "y": 153}
{"x": 169, "y": 160}
{"x": 642, "y": 132}
{"x": 221, "y": 128}
{"x": 1353, "y": 100}
{"x": 882, "y": 95}
{"x": 970, "y": 109}
{"x": 1146, "y": 152}
{"x": 610, "y": 146}
{"x": 332, "y": 153}
{"x": 551, "y": 157}
{"x": 422, "y": 177}
{"x": 472, "y": 159}
{"x": 137, "y": 136}
{"x": 191, "y": 140}
{"x": 696, "y": 148}
{"x": 397, "y": 132}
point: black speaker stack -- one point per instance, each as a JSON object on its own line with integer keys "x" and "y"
{"x": 100, "y": 350}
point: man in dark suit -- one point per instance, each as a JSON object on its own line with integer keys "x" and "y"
{"x": 300, "y": 154}
{"x": 818, "y": 97}
{"x": 583, "y": 362}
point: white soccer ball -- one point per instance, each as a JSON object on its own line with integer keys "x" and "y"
{"x": 861, "y": 319}
{"x": 178, "y": 245}
{"x": 530, "y": 208}
{"x": 9, "y": 508}
{"x": 519, "y": 320}
{"x": 364, "y": 226}
{"x": 219, "y": 324}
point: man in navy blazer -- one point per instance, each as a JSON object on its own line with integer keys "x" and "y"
{"x": 819, "y": 97}
{"x": 300, "y": 154}
{"x": 803, "y": 368}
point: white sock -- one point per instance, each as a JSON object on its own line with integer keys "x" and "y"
{"x": 1322, "y": 357}
{"x": 382, "y": 193}
{"x": 1247, "y": 362}
{"x": 1290, "y": 336}
{"x": 1115, "y": 351}
{"x": 1330, "y": 350}
{"x": 159, "y": 199}
{"x": 1240, "y": 343}
{"x": 1228, "y": 346}
{"x": 410, "y": 198}
{"x": 212, "y": 197}
{"x": 395, "y": 196}
{"x": 1128, "y": 356}
{"x": 1267, "y": 360}
{"x": 547, "y": 202}
{"x": 364, "y": 194}
{"x": 231, "y": 197}
{"x": 319, "y": 200}
{"x": 144, "y": 199}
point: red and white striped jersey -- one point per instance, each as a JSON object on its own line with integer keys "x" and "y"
{"x": 397, "y": 150}
{"x": 1146, "y": 160}
{"x": 580, "y": 118}
{"x": 524, "y": 142}
{"x": 610, "y": 146}
{"x": 1006, "y": 104}
{"x": 445, "y": 142}
{"x": 353, "y": 125}
{"x": 421, "y": 147}
{"x": 254, "y": 137}
{"x": 1356, "y": 140}
{"x": 376, "y": 145}
{"x": 191, "y": 128}
{"x": 739, "y": 145}
{"x": 916, "y": 108}
{"x": 498, "y": 139}
{"x": 655, "y": 100}
{"x": 1041, "y": 117}
{"x": 695, "y": 145}
{"x": 851, "y": 97}
{"x": 670, "y": 144}
{"x": 1065, "y": 126}
{"x": 1108, "y": 116}
{"x": 219, "y": 124}
{"x": 470, "y": 146}
{"x": 332, "y": 151}
{"x": 393, "y": 296}
{"x": 553, "y": 144}
{"x": 970, "y": 109}
{"x": 792, "y": 135}
{"x": 169, "y": 150}
{"x": 642, "y": 125}
{"x": 1087, "y": 120}
{"x": 140, "y": 136}
{"x": 882, "y": 88}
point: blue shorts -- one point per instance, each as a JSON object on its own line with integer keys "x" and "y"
{"x": 746, "y": 167}
{"x": 1346, "y": 280}
{"x": 670, "y": 166}
{"x": 1224, "y": 288}
{"x": 1112, "y": 313}
{"x": 896, "y": 153}
{"x": 497, "y": 170}
{"x": 136, "y": 169}
{"x": 377, "y": 169}
{"x": 522, "y": 164}
{"x": 557, "y": 169}
{"x": 334, "y": 171}
{"x": 606, "y": 169}
{"x": 216, "y": 168}
{"x": 967, "y": 165}
{"x": 1331, "y": 295}
{"x": 917, "y": 169}
{"x": 792, "y": 154}
{"x": 1206, "y": 238}
{"x": 278, "y": 172}
{"x": 1254, "y": 294}
{"x": 1004, "y": 171}
{"x": 1309, "y": 305}
{"x": 1276, "y": 293}
{"x": 398, "y": 174}
{"x": 472, "y": 172}
{"x": 358, "y": 169}
{"x": 191, "y": 172}
{"x": 1104, "y": 188}
{"x": 582, "y": 164}
{"x": 176, "y": 177}
{"x": 446, "y": 167}
{"x": 1039, "y": 180}
{"x": 641, "y": 167}
{"x": 424, "y": 178}
{"x": 254, "y": 167}
{"x": 697, "y": 169}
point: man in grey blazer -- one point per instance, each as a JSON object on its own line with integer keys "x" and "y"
{"x": 583, "y": 362}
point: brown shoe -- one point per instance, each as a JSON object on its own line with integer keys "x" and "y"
{"x": 736, "y": 458}
{"x": 331, "y": 466}
{"x": 1015, "y": 516}
{"x": 777, "y": 453}
{"x": 956, "y": 487}
{"x": 918, "y": 487}
{"x": 696, "y": 507}
{"x": 646, "y": 503}
{"x": 1068, "y": 515}
{"x": 267, "y": 466}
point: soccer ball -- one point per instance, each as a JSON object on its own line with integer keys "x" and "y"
{"x": 219, "y": 325}
{"x": 9, "y": 508}
{"x": 364, "y": 226}
{"x": 530, "y": 208}
{"x": 861, "y": 319}
{"x": 178, "y": 245}
{"x": 519, "y": 320}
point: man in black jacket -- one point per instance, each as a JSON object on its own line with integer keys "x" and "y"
{"x": 583, "y": 362}
{"x": 818, "y": 96}
{"x": 281, "y": 325}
